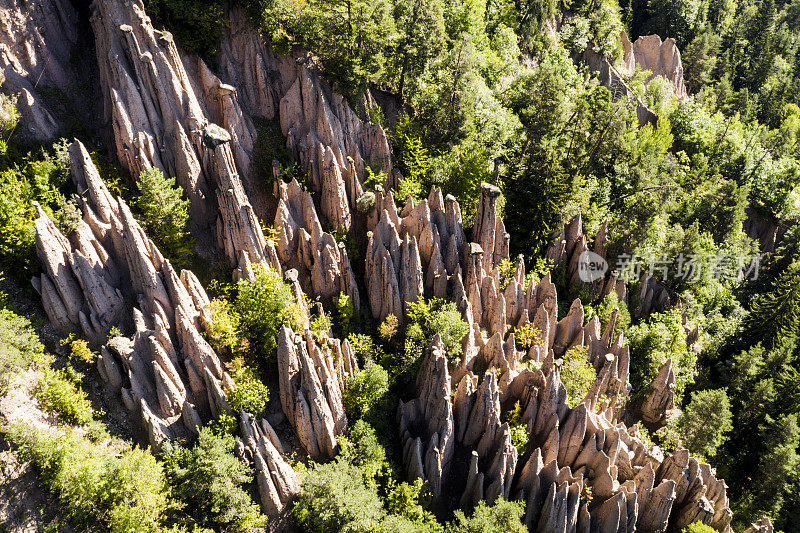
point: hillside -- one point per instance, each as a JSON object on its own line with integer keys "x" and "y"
{"x": 403, "y": 265}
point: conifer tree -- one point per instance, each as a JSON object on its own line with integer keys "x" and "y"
{"x": 164, "y": 213}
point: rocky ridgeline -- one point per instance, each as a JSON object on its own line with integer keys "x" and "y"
{"x": 261, "y": 448}
{"x": 160, "y": 117}
{"x": 650, "y": 53}
{"x": 109, "y": 274}
{"x": 653, "y": 297}
{"x": 570, "y": 243}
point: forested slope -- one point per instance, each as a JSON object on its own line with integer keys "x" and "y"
{"x": 424, "y": 265}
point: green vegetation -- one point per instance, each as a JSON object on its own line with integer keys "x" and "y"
{"x": 343, "y": 495}
{"x": 435, "y": 317}
{"x": 263, "y": 306}
{"x": 345, "y": 311}
{"x": 60, "y": 392}
{"x": 652, "y": 342}
{"x": 698, "y": 527}
{"x": 104, "y": 483}
{"x": 365, "y": 391}
{"x": 485, "y": 91}
{"x": 57, "y": 389}
{"x": 79, "y": 349}
{"x": 19, "y": 345}
{"x": 250, "y": 394}
{"x": 164, "y": 214}
{"x": 705, "y": 422}
{"x": 577, "y": 374}
{"x": 39, "y": 176}
{"x": 212, "y": 482}
{"x": 197, "y": 24}
{"x": 224, "y": 332}
{"x": 502, "y": 517}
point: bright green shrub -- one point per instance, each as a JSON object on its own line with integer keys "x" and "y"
{"x": 57, "y": 392}
{"x": 19, "y": 345}
{"x": 413, "y": 158}
{"x": 164, "y": 213}
{"x": 520, "y": 437}
{"x": 137, "y": 492}
{"x": 442, "y": 317}
{"x": 502, "y": 517}
{"x": 265, "y": 305}
{"x": 577, "y": 374}
{"x": 652, "y": 342}
{"x": 605, "y": 308}
{"x": 409, "y": 501}
{"x": 361, "y": 448}
{"x": 528, "y": 335}
{"x": 366, "y": 390}
{"x": 344, "y": 495}
{"x": 224, "y": 332}
{"x": 103, "y": 484}
{"x": 336, "y": 499}
{"x": 365, "y": 348}
{"x": 388, "y": 328}
{"x": 425, "y": 320}
{"x": 211, "y": 481}
{"x": 698, "y": 527}
{"x": 24, "y": 180}
{"x": 344, "y": 314}
{"x": 79, "y": 349}
{"x": 250, "y": 394}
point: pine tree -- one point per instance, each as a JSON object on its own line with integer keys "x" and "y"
{"x": 776, "y": 315}
{"x": 421, "y": 27}
{"x": 164, "y": 213}
{"x": 761, "y": 52}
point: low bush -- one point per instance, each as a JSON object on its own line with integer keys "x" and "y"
{"x": 19, "y": 345}
{"x": 698, "y": 527}
{"x": 335, "y": 498}
{"x": 250, "y": 394}
{"x": 528, "y": 335}
{"x": 365, "y": 348}
{"x": 577, "y": 374}
{"x": 502, "y": 517}
{"x": 345, "y": 311}
{"x": 427, "y": 318}
{"x": 79, "y": 349}
{"x": 366, "y": 391}
{"x": 106, "y": 484}
{"x": 25, "y": 179}
{"x": 361, "y": 448}
{"x": 59, "y": 392}
{"x": 224, "y": 332}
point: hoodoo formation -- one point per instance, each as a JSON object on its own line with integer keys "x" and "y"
{"x": 321, "y": 323}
